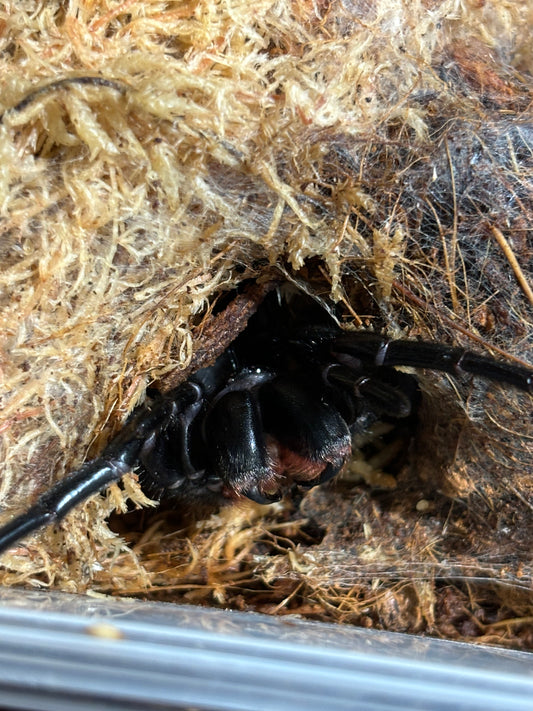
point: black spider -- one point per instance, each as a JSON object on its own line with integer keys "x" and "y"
{"x": 279, "y": 407}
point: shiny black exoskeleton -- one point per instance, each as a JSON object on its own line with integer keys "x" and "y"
{"x": 279, "y": 407}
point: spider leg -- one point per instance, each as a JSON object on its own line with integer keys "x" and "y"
{"x": 369, "y": 349}
{"x": 166, "y": 452}
{"x": 117, "y": 459}
{"x": 379, "y": 396}
{"x": 54, "y": 504}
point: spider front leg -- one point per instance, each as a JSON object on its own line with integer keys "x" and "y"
{"x": 117, "y": 459}
{"x": 165, "y": 455}
{"x": 360, "y": 349}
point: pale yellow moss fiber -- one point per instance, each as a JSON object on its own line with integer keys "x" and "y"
{"x": 151, "y": 153}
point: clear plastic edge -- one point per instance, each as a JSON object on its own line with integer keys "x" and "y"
{"x": 60, "y": 651}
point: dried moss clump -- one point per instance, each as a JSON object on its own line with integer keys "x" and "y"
{"x": 154, "y": 155}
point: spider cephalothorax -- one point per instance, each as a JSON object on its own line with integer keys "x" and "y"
{"x": 277, "y": 408}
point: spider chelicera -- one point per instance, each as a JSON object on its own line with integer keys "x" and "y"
{"x": 278, "y": 408}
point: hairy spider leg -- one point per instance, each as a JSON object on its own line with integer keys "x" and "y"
{"x": 117, "y": 459}
{"x": 360, "y": 348}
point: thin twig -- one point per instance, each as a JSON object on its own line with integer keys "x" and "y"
{"x": 515, "y": 266}
{"x": 449, "y": 259}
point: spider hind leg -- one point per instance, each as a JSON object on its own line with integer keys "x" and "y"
{"x": 370, "y": 349}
